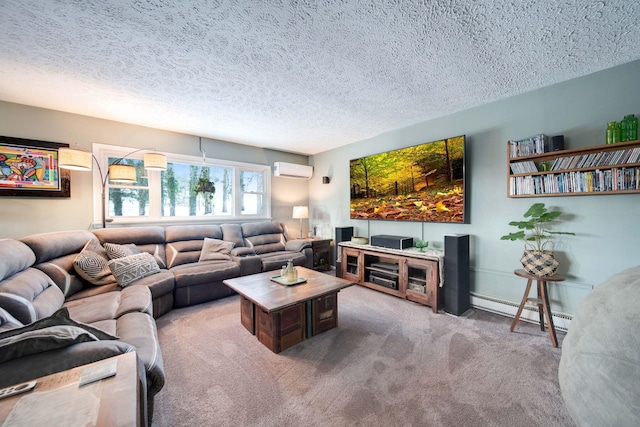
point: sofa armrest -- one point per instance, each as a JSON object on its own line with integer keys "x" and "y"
{"x": 242, "y": 251}
{"x": 247, "y": 259}
{"x": 297, "y": 245}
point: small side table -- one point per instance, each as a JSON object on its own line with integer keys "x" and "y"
{"x": 542, "y": 301}
{"x": 321, "y": 253}
{"x": 113, "y": 401}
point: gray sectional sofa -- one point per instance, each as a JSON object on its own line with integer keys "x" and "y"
{"x": 103, "y": 289}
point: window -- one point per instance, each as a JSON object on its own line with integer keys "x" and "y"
{"x": 240, "y": 190}
{"x": 252, "y": 188}
{"x": 129, "y": 199}
{"x": 179, "y": 197}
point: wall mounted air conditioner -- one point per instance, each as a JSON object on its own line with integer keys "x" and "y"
{"x": 292, "y": 170}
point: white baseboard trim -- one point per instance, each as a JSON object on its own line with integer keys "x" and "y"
{"x": 507, "y": 308}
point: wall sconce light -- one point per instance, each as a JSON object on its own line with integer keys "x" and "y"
{"x": 326, "y": 180}
{"x": 78, "y": 159}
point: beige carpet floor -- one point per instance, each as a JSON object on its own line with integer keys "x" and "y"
{"x": 390, "y": 362}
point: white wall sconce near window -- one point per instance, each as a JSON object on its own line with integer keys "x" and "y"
{"x": 300, "y": 212}
{"x": 78, "y": 159}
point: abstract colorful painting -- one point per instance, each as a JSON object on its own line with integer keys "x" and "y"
{"x": 30, "y": 168}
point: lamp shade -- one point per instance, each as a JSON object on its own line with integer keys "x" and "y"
{"x": 155, "y": 161}
{"x": 122, "y": 173}
{"x": 69, "y": 158}
{"x": 300, "y": 212}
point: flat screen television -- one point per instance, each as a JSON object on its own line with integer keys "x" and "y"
{"x": 425, "y": 182}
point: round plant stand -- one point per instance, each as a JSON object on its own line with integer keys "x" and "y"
{"x": 542, "y": 301}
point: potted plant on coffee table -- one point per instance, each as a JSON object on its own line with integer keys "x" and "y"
{"x": 538, "y": 258}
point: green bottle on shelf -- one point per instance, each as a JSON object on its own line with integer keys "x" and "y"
{"x": 623, "y": 129}
{"x": 631, "y": 127}
{"x": 611, "y": 132}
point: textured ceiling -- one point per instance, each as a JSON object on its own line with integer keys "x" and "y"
{"x": 299, "y": 75}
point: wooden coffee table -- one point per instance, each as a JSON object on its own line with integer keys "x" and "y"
{"x": 281, "y": 316}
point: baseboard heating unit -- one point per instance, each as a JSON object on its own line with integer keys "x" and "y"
{"x": 509, "y": 308}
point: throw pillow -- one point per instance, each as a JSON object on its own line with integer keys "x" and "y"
{"x": 40, "y": 340}
{"x": 60, "y": 317}
{"x": 55, "y": 331}
{"x": 133, "y": 267}
{"x": 92, "y": 264}
{"x": 115, "y": 251}
{"x": 214, "y": 249}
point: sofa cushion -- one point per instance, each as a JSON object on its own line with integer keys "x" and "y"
{"x": 184, "y": 242}
{"x": 92, "y": 264}
{"x": 214, "y": 249}
{"x": 111, "y": 305}
{"x": 129, "y": 269}
{"x": 15, "y": 256}
{"x": 264, "y": 237}
{"x": 30, "y": 295}
{"x": 150, "y": 239}
{"x": 94, "y": 290}
{"x": 115, "y": 251}
{"x": 47, "y": 246}
{"x": 179, "y": 233}
{"x": 275, "y": 260}
{"x": 55, "y": 253}
{"x": 63, "y": 273}
{"x": 233, "y": 233}
{"x": 206, "y": 272}
{"x": 139, "y": 330}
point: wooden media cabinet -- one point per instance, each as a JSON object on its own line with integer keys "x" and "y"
{"x": 408, "y": 274}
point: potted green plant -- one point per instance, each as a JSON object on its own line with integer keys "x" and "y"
{"x": 538, "y": 258}
{"x": 207, "y": 188}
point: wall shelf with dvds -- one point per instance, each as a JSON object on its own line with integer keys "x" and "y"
{"x": 597, "y": 170}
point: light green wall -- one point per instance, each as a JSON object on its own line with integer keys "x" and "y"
{"x": 607, "y": 227}
{"x": 21, "y": 216}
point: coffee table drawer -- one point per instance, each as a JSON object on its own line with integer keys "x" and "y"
{"x": 324, "y": 313}
{"x": 281, "y": 329}
{"x": 247, "y": 313}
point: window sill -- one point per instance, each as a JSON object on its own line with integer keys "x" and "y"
{"x": 200, "y": 220}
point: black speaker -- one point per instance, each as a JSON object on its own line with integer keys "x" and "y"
{"x": 343, "y": 234}
{"x": 392, "y": 242}
{"x": 457, "y": 298}
{"x": 557, "y": 143}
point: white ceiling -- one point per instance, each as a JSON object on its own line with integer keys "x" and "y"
{"x": 299, "y": 75}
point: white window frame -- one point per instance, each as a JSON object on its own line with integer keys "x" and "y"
{"x": 102, "y": 153}
{"x": 264, "y": 193}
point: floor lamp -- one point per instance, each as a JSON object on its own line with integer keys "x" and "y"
{"x": 300, "y": 212}
{"x": 76, "y": 159}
